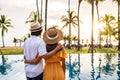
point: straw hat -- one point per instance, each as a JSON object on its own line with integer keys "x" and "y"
{"x": 52, "y": 35}
{"x": 35, "y": 27}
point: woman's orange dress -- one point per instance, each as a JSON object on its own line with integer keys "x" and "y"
{"x": 53, "y": 69}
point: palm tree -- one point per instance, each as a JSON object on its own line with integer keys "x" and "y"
{"x": 55, "y": 26}
{"x": 65, "y": 38}
{"x": 46, "y": 7}
{"x": 118, "y": 1}
{"x": 41, "y": 10}
{"x": 108, "y": 32}
{"x": 4, "y": 24}
{"x": 38, "y": 12}
{"x": 108, "y": 20}
{"x": 96, "y": 3}
{"x": 69, "y": 20}
{"x": 74, "y": 38}
{"x": 69, "y": 46}
{"x": 37, "y": 5}
{"x": 115, "y": 31}
{"x": 15, "y": 41}
{"x": 33, "y": 17}
{"x": 20, "y": 41}
{"x": 79, "y": 2}
{"x": 92, "y": 3}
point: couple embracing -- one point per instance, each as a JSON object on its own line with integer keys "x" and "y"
{"x": 36, "y": 49}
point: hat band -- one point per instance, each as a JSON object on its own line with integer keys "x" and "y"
{"x": 52, "y": 38}
{"x": 34, "y": 30}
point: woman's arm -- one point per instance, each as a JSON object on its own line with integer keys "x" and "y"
{"x": 34, "y": 61}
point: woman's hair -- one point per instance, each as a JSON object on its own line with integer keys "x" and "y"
{"x": 50, "y": 47}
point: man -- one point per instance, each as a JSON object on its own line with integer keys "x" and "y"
{"x": 32, "y": 47}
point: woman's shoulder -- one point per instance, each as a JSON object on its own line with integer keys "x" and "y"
{"x": 62, "y": 53}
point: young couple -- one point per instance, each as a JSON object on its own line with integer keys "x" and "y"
{"x": 36, "y": 49}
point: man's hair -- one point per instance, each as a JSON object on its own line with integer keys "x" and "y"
{"x": 37, "y": 33}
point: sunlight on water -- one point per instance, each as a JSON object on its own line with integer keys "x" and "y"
{"x": 78, "y": 67}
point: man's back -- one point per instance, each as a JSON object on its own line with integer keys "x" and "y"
{"x": 32, "y": 46}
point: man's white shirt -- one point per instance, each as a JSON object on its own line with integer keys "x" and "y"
{"x": 32, "y": 46}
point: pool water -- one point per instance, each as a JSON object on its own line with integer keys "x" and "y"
{"x": 78, "y": 67}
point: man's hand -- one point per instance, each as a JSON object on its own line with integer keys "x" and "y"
{"x": 24, "y": 59}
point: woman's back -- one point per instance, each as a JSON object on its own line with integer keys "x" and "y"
{"x": 53, "y": 68}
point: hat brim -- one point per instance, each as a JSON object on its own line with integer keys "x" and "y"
{"x": 53, "y": 41}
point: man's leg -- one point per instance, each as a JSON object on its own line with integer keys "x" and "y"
{"x": 29, "y": 78}
{"x": 39, "y": 77}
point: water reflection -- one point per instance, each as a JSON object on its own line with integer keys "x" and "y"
{"x": 74, "y": 67}
{"x": 78, "y": 67}
{"x": 4, "y": 66}
{"x": 109, "y": 67}
{"x": 92, "y": 64}
{"x": 99, "y": 69}
{"x": 78, "y": 74}
{"x": 118, "y": 72}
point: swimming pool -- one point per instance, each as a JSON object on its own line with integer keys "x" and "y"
{"x": 78, "y": 67}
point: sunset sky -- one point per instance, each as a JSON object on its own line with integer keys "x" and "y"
{"x": 19, "y": 10}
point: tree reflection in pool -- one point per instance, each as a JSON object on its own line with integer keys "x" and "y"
{"x": 90, "y": 66}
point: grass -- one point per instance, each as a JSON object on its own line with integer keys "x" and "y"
{"x": 97, "y": 50}
{"x": 19, "y": 50}
{"x": 107, "y": 50}
{"x": 74, "y": 51}
{"x": 11, "y": 50}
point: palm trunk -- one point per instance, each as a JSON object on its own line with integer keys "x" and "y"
{"x": 98, "y": 23}
{"x": 69, "y": 46}
{"x": 41, "y": 10}
{"x": 79, "y": 25}
{"x": 118, "y": 25}
{"x": 3, "y": 41}
{"x": 107, "y": 40}
{"x": 92, "y": 26}
{"x": 38, "y": 11}
{"x": 110, "y": 39}
{"x": 15, "y": 44}
{"x": 46, "y": 4}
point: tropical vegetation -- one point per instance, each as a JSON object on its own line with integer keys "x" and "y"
{"x": 4, "y": 25}
{"x": 109, "y": 29}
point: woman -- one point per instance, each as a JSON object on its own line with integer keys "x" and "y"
{"x": 54, "y": 66}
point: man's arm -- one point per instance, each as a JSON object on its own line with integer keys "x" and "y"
{"x": 46, "y": 56}
{"x": 34, "y": 61}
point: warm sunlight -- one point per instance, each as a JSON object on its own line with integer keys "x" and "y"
{"x": 86, "y": 50}
{"x": 56, "y": 9}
